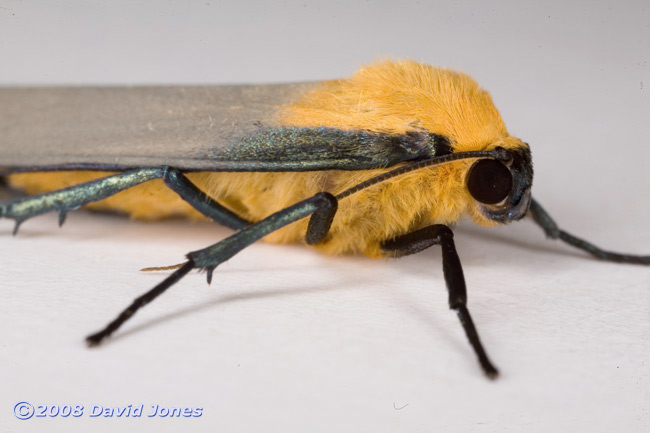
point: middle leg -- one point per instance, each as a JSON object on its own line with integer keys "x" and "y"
{"x": 322, "y": 208}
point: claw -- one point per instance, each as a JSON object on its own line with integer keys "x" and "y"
{"x": 62, "y": 216}
{"x": 94, "y": 340}
{"x": 209, "y": 272}
{"x": 18, "y": 223}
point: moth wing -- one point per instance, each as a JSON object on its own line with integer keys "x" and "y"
{"x": 211, "y": 128}
{"x": 132, "y": 126}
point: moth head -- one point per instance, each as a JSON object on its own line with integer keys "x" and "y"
{"x": 501, "y": 187}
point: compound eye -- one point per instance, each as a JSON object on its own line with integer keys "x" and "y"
{"x": 489, "y": 181}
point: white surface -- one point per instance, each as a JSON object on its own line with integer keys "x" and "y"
{"x": 286, "y": 339}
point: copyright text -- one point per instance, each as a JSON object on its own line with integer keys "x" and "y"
{"x": 25, "y": 410}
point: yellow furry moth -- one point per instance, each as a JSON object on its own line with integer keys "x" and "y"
{"x": 380, "y": 164}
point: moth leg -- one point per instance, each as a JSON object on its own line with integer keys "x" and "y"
{"x": 181, "y": 185}
{"x": 72, "y": 198}
{"x": 321, "y": 206}
{"x": 544, "y": 220}
{"x": 442, "y": 235}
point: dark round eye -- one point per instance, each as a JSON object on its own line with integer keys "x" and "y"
{"x": 489, "y": 181}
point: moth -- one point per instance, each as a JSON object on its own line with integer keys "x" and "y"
{"x": 381, "y": 163}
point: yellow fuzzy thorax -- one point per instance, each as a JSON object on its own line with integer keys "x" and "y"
{"x": 390, "y": 97}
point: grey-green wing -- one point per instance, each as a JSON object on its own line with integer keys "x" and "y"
{"x": 211, "y": 128}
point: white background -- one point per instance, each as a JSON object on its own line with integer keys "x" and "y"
{"x": 289, "y": 340}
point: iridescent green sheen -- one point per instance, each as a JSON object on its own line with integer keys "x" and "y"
{"x": 321, "y": 148}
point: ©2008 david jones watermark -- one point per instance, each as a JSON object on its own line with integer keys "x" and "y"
{"x": 25, "y": 410}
